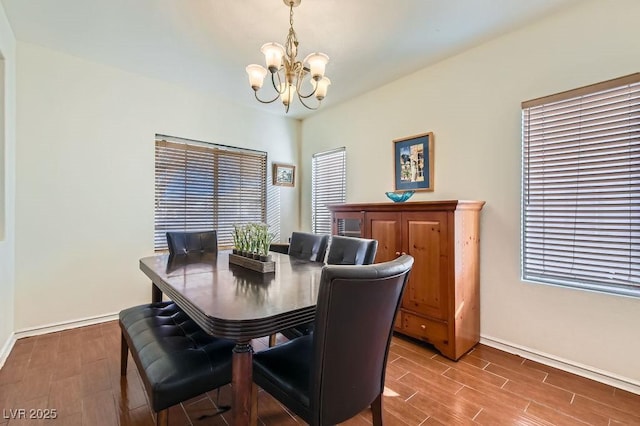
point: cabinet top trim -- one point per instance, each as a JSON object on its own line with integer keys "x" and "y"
{"x": 411, "y": 205}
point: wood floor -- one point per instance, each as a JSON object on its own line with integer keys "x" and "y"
{"x": 76, "y": 373}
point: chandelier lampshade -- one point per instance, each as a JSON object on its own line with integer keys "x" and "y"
{"x": 288, "y": 73}
{"x": 317, "y": 63}
{"x": 286, "y": 93}
{"x": 320, "y": 87}
{"x": 273, "y": 53}
{"x": 257, "y": 74}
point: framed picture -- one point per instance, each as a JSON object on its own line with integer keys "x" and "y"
{"x": 284, "y": 174}
{"x": 413, "y": 163}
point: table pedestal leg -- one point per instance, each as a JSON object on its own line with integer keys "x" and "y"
{"x": 241, "y": 381}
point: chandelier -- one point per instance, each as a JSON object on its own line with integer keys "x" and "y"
{"x": 287, "y": 73}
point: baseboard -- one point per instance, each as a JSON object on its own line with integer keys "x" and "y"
{"x": 6, "y": 348}
{"x": 587, "y": 371}
{"x": 65, "y": 325}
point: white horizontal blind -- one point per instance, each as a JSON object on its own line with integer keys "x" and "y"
{"x": 328, "y": 186}
{"x": 581, "y": 188}
{"x": 203, "y": 187}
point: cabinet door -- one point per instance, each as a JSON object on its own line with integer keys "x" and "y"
{"x": 386, "y": 228}
{"x": 425, "y": 237}
{"x": 348, "y": 224}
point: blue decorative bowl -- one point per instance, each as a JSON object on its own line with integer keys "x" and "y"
{"x": 399, "y": 197}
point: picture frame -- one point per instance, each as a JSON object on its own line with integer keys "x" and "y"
{"x": 284, "y": 174}
{"x": 413, "y": 162}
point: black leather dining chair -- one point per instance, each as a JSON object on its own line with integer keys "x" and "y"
{"x": 351, "y": 251}
{"x": 190, "y": 242}
{"x": 307, "y": 246}
{"x": 342, "y": 251}
{"x": 337, "y": 371}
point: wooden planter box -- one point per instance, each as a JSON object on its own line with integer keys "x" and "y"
{"x": 253, "y": 264}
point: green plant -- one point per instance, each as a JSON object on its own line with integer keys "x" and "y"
{"x": 264, "y": 239}
{"x": 240, "y": 237}
{"x": 236, "y": 237}
{"x": 253, "y": 238}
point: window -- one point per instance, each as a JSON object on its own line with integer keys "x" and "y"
{"x": 328, "y": 186}
{"x": 203, "y": 186}
{"x": 581, "y": 188}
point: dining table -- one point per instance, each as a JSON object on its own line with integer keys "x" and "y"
{"x": 234, "y": 302}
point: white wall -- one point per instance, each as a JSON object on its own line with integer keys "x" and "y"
{"x": 85, "y": 178}
{"x": 472, "y": 104}
{"x": 7, "y": 185}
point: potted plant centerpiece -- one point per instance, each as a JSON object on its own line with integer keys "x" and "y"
{"x": 252, "y": 241}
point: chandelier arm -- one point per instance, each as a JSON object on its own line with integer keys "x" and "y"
{"x": 309, "y": 95}
{"x": 273, "y": 82}
{"x": 301, "y": 99}
{"x": 265, "y": 102}
{"x": 299, "y": 79}
{"x": 278, "y": 93}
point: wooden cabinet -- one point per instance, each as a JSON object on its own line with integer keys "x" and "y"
{"x": 441, "y": 304}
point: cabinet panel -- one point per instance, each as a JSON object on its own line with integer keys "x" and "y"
{"x": 348, "y": 224}
{"x": 386, "y": 228}
{"x": 426, "y": 241}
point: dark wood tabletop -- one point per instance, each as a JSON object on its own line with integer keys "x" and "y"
{"x": 236, "y": 303}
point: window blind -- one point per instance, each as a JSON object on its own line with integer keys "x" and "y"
{"x": 205, "y": 186}
{"x": 581, "y": 188}
{"x": 328, "y": 186}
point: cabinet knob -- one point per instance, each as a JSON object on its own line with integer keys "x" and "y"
{"x": 422, "y": 326}
{"x": 397, "y": 253}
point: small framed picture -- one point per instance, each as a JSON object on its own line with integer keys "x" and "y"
{"x": 284, "y": 174}
{"x": 413, "y": 163}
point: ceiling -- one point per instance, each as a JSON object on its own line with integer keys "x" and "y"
{"x": 206, "y": 44}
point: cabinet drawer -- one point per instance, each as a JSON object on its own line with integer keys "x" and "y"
{"x": 434, "y": 332}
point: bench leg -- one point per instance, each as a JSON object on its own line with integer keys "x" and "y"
{"x": 162, "y": 418}
{"x": 124, "y": 355}
{"x": 272, "y": 340}
{"x": 156, "y": 294}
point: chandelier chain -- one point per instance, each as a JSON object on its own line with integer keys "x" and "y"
{"x": 291, "y": 14}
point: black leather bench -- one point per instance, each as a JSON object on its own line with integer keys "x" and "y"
{"x": 176, "y": 359}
